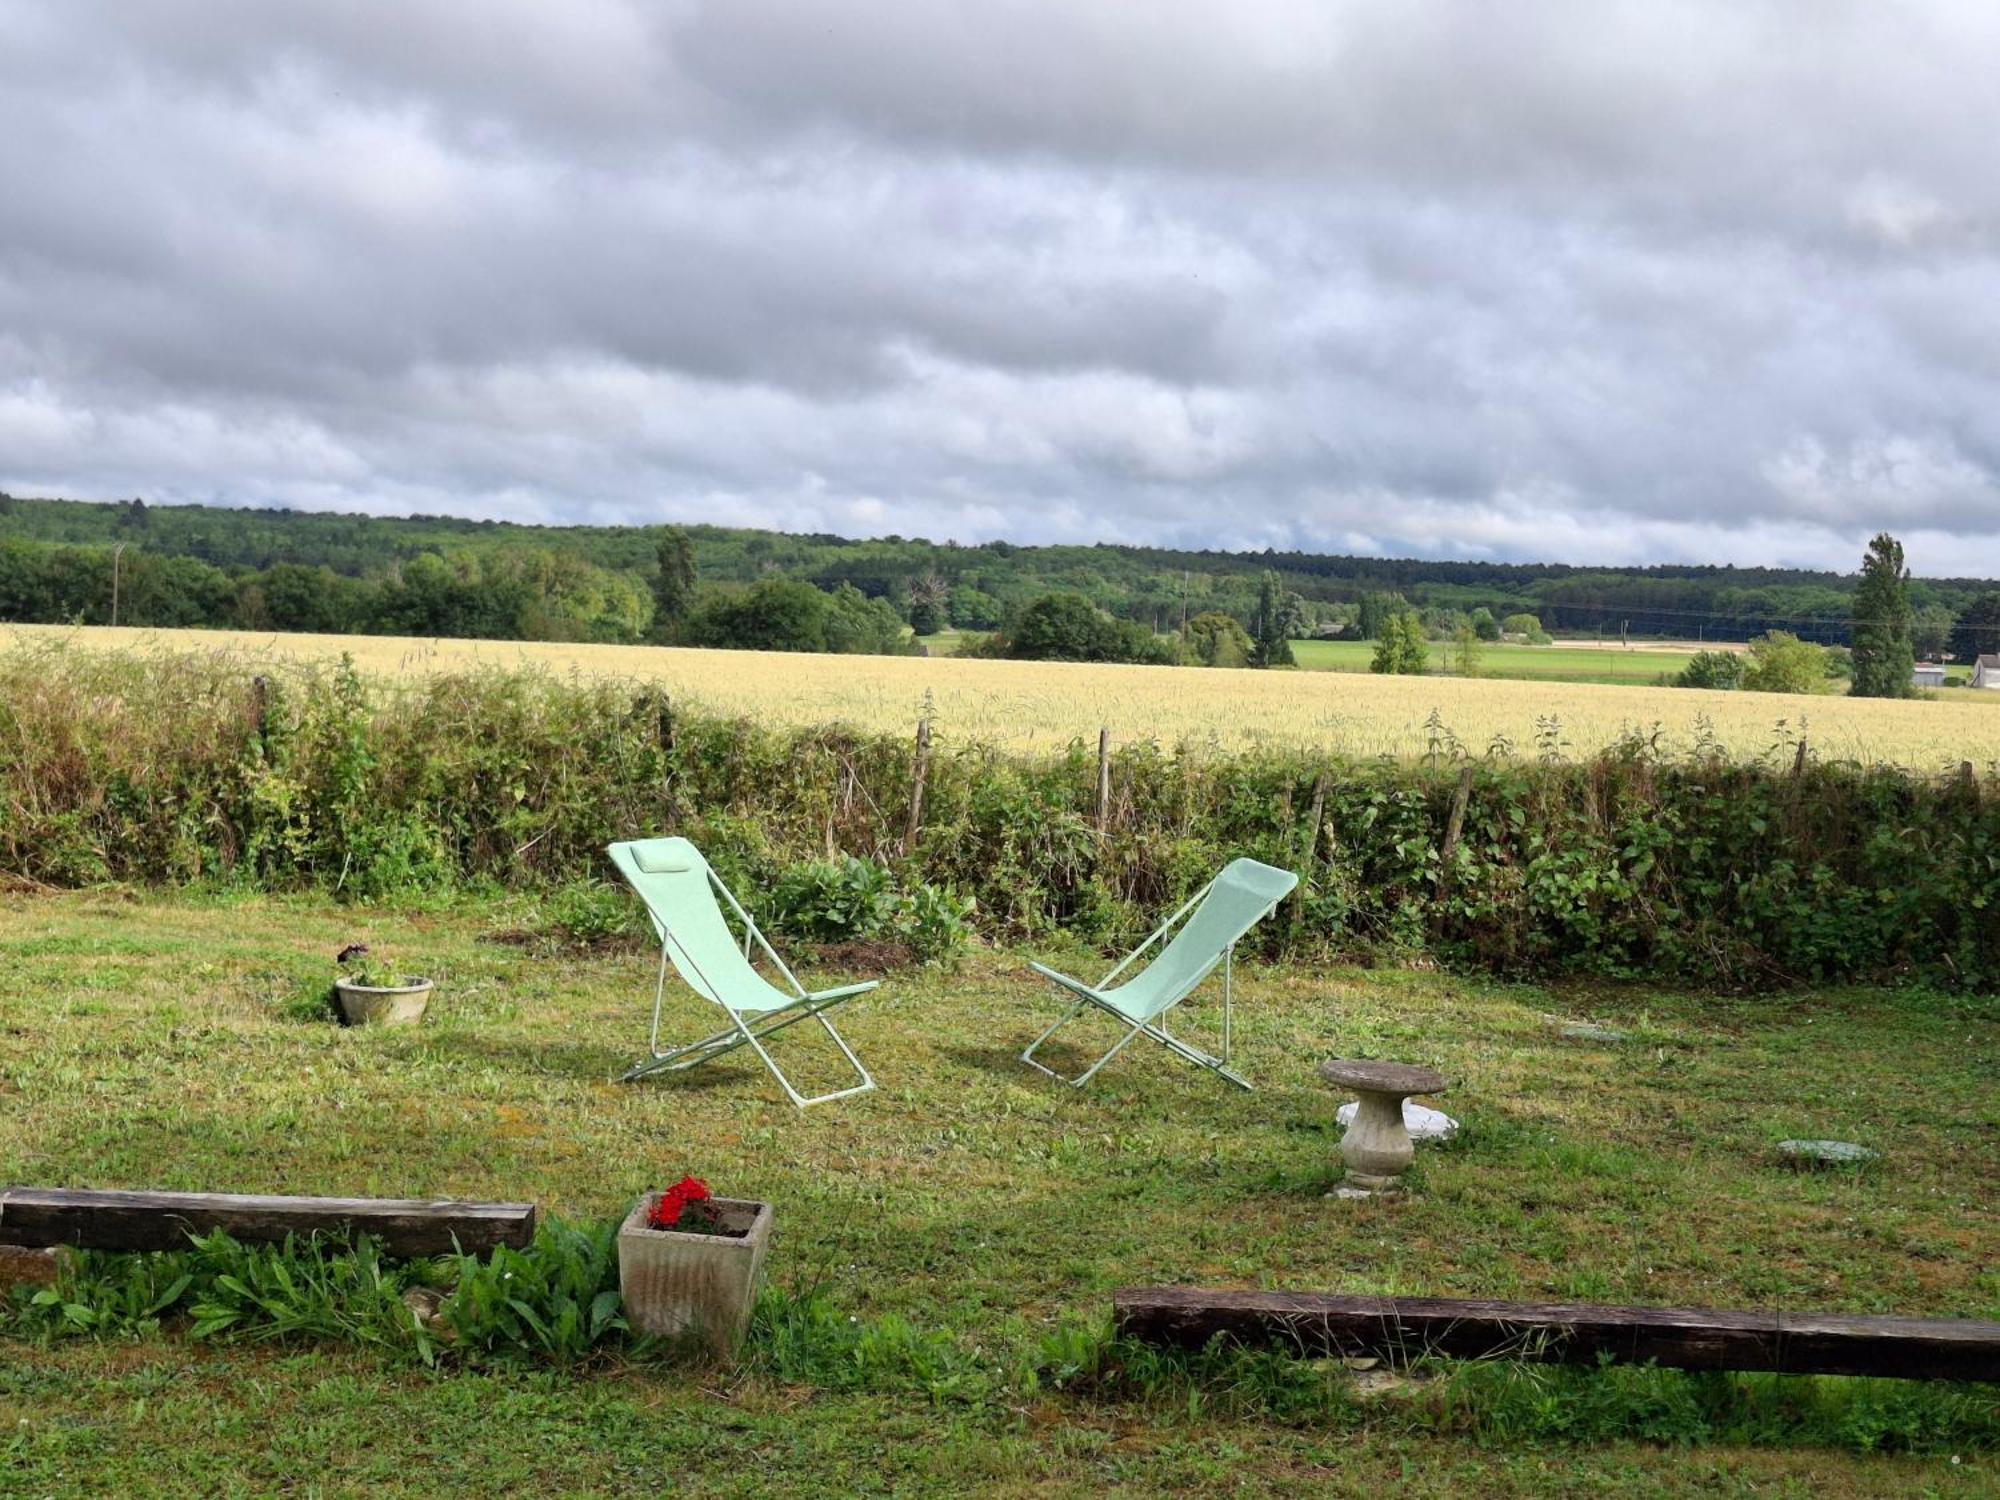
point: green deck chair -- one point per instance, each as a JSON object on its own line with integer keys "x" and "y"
{"x": 1223, "y": 910}
{"x": 680, "y": 892}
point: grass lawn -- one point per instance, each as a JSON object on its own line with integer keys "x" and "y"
{"x": 172, "y": 1043}
{"x": 1557, "y": 663}
{"x": 951, "y": 640}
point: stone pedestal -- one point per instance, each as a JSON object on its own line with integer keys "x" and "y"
{"x": 1376, "y": 1148}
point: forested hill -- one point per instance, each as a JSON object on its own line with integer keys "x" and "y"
{"x": 204, "y": 565}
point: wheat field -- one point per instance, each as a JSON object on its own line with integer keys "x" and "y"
{"x": 1044, "y": 705}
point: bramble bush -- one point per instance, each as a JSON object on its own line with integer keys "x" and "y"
{"x": 1787, "y": 868}
{"x": 838, "y": 900}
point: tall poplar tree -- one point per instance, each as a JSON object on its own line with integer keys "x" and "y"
{"x": 1280, "y": 615}
{"x": 1883, "y": 654}
{"x": 673, "y": 586}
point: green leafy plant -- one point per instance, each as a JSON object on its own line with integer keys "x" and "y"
{"x": 829, "y": 900}
{"x": 589, "y": 913}
{"x": 936, "y": 922}
{"x": 299, "y": 1289}
{"x": 357, "y": 964}
{"x": 557, "y": 1300}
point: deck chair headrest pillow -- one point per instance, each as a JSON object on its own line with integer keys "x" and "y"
{"x": 655, "y": 861}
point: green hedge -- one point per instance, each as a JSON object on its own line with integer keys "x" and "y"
{"x": 192, "y": 768}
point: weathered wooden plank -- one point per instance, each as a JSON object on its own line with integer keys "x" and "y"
{"x": 1687, "y": 1338}
{"x": 99, "y": 1219}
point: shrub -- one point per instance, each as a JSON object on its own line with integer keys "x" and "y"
{"x": 844, "y": 900}
{"x": 833, "y": 900}
{"x": 1712, "y": 669}
{"x": 1782, "y": 663}
{"x": 556, "y": 1300}
{"x": 300, "y": 1289}
{"x": 589, "y": 912}
{"x": 1068, "y": 627}
{"x": 1213, "y": 639}
{"x": 1402, "y": 648}
{"x": 1691, "y": 867}
{"x": 936, "y": 923}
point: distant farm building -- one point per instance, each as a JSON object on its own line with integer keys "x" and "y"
{"x": 1986, "y": 672}
{"x": 1927, "y": 674}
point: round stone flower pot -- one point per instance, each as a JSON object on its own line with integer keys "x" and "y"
{"x": 383, "y": 1004}
{"x": 694, "y": 1286}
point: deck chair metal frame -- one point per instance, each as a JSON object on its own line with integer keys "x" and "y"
{"x": 750, "y": 1026}
{"x": 1153, "y": 1022}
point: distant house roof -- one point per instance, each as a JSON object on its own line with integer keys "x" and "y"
{"x": 1991, "y": 663}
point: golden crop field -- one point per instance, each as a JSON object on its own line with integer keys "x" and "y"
{"x": 1044, "y": 705}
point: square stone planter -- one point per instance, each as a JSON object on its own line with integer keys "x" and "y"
{"x": 694, "y": 1286}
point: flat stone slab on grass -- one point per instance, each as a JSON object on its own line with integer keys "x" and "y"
{"x": 1825, "y": 1153}
{"x": 1423, "y": 1122}
{"x": 1589, "y": 1031}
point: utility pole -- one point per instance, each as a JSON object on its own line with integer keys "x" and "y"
{"x": 1183, "y": 603}
{"x": 116, "y": 552}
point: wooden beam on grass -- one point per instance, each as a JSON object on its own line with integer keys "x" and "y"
{"x": 98, "y": 1219}
{"x": 1685, "y": 1338}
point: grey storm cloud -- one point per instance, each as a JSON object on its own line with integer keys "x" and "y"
{"x": 1578, "y": 281}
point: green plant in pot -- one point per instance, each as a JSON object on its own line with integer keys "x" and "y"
{"x": 369, "y": 992}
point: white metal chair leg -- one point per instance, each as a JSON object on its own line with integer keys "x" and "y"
{"x": 677, "y": 1059}
{"x": 1084, "y": 1077}
{"x": 1061, "y": 1021}
{"x": 1207, "y": 1060}
{"x": 1156, "y": 1029}
{"x": 659, "y": 998}
{"x": 785, "y": 1083}
{"x": 740, "y": 1034}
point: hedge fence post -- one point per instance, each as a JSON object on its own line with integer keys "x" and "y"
{"x": 1103, "y": 780}
{"x": 1454, "y": 826}
{"x": 1310, "y": 858}
{"x": 663, "y": 734}
{"x": 919, "y": 772}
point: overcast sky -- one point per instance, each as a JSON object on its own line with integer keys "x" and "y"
{"x": 1585, "y": 281}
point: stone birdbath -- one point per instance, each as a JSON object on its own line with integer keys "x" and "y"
{"x": 1377, "y": 1147}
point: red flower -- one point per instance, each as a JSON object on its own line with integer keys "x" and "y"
{"x": 666, "y": 1213}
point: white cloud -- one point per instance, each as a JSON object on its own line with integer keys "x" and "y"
{"x": 1585, "y": 281}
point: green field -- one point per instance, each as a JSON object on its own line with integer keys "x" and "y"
{"x": 1557, "y": 663}
{"x": 176, "y": 1043}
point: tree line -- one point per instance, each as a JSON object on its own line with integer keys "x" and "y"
{"x": 72, "y": 561}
